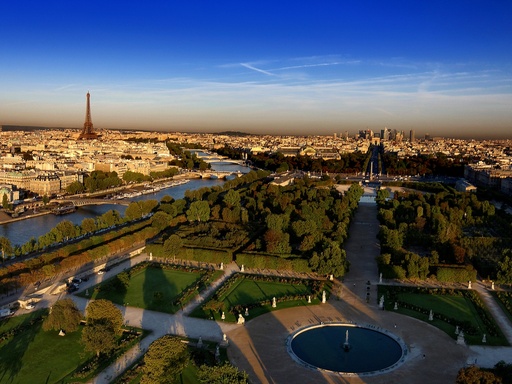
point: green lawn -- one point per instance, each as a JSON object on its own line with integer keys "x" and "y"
{"x": 249, "y": 291}
{"x": 35, "y": 356}
{"x": 448, "y": 311}
{"x": 257, "y": 294}
{"x": 150, "y": 288}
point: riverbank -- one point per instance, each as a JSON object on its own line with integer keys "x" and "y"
{"x": 5, "y": 218}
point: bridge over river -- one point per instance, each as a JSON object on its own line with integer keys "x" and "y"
{"x": 80, "y": 202}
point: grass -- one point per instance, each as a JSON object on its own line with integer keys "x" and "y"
{"x": 256, "y": 294}
{"x": 449, "y": 310}
{"x": 504, "y": 300}
{"x": 150, "y": 288}
{"x": 35, "y": 356}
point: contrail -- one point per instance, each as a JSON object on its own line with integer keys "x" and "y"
{"x": 256, "y": 69}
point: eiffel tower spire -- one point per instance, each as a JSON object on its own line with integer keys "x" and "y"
{"x": 88, "y": 130}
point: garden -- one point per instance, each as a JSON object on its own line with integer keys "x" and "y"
{"x": 28, "y": 354}
{"x": 452, "y": 310}
{"x": 150, "y": 285}
{"x": 252, "y": 295}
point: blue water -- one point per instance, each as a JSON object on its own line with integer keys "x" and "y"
{"x": 369, "y": 350}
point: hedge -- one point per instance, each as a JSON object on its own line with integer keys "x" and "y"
{"x": 456, "y": 274}
{"x": 254, "y": 260}
{"x": 207, "y": 255}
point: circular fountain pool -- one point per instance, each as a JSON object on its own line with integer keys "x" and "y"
{"x": 362, "y": 350}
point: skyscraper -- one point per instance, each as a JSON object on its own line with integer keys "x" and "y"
{"x": 411, "y": 136}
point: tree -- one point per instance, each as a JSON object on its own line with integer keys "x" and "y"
{"x": 63, "y": 315}
{"x": 160, "y": 220}
{"x": 98, "y": 338}
{"x": 88, "y": 225}
{"x": 165, "y": 360}
{"x": 133, "y": 211}
{"x": 103, "y": 323}
{"x": 222, "y": 374}
{"x": 505, "y": 271}
{"x": 232, "y": 198}
{"x": 173, "y": 245}
{"x": 104, "y": 312}
{"x": 475, "y": 375}
{"x": 199, "y": 210}
{"x": 75, "y": 187}
{"x": 5, "y": 247}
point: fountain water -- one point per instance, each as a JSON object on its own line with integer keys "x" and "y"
{"x": 372, "y": 351}
{"x": 346, "y": 345}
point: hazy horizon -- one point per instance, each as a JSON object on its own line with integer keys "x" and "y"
{"x": 264, "y": 68}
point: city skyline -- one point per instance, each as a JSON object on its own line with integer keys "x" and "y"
{"x": 285, "y": 68}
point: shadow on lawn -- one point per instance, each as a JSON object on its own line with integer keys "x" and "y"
{"x": 157, "y": 300}
{"x": 17, "y": 346}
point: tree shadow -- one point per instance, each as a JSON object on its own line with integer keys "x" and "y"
{"x": 17, "y": 347}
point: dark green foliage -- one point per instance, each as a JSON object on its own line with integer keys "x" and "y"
{"x": 421, "y": 232}
{"x": 64, "y": 315}
{"x": 165, "y": 360}
{"x": 222, "y": 374}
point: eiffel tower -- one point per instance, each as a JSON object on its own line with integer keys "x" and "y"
{"x": 88, "y": 131}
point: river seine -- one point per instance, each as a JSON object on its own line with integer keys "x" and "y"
{"x": 20, "y": 232}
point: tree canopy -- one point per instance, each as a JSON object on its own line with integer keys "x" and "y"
{"x": 222, "y": 374}
{"x": 165, "y": 360}
{"x": 103, "y": 323}
{"x": 64, "y": 315}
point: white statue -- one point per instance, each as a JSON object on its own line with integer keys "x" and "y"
{"x": 381, "y": 302}
{"x": 223, "y": 316}
{"x": 274, "y": 302}
{"x": 221, "y": 266}
{"x": 469, "y": 284}
{"x": 241, "y": 319}
{"x": 246, "y": 312}
{"x": 242, "y": 269}
{"x": 323, "y": 297}
{"x": 431, "y": 316}
{"x": 396, "y": 306}
{"x": 492, "y": 285}
{"x": 309, "y": 299}
{"x": 460, "y": 338}
{"x": 380, "y": 278}
{"x": 484, "y": 339}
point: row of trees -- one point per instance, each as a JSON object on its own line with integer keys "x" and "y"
{"x": 66, "y": 230}
{"x": 425, "y": 165}
{"x": 278, "y": 162}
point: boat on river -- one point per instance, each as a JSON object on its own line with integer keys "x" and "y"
{"x": 65, "y": 209}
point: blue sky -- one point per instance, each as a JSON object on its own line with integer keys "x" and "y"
{"x": 442, "y": 67}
